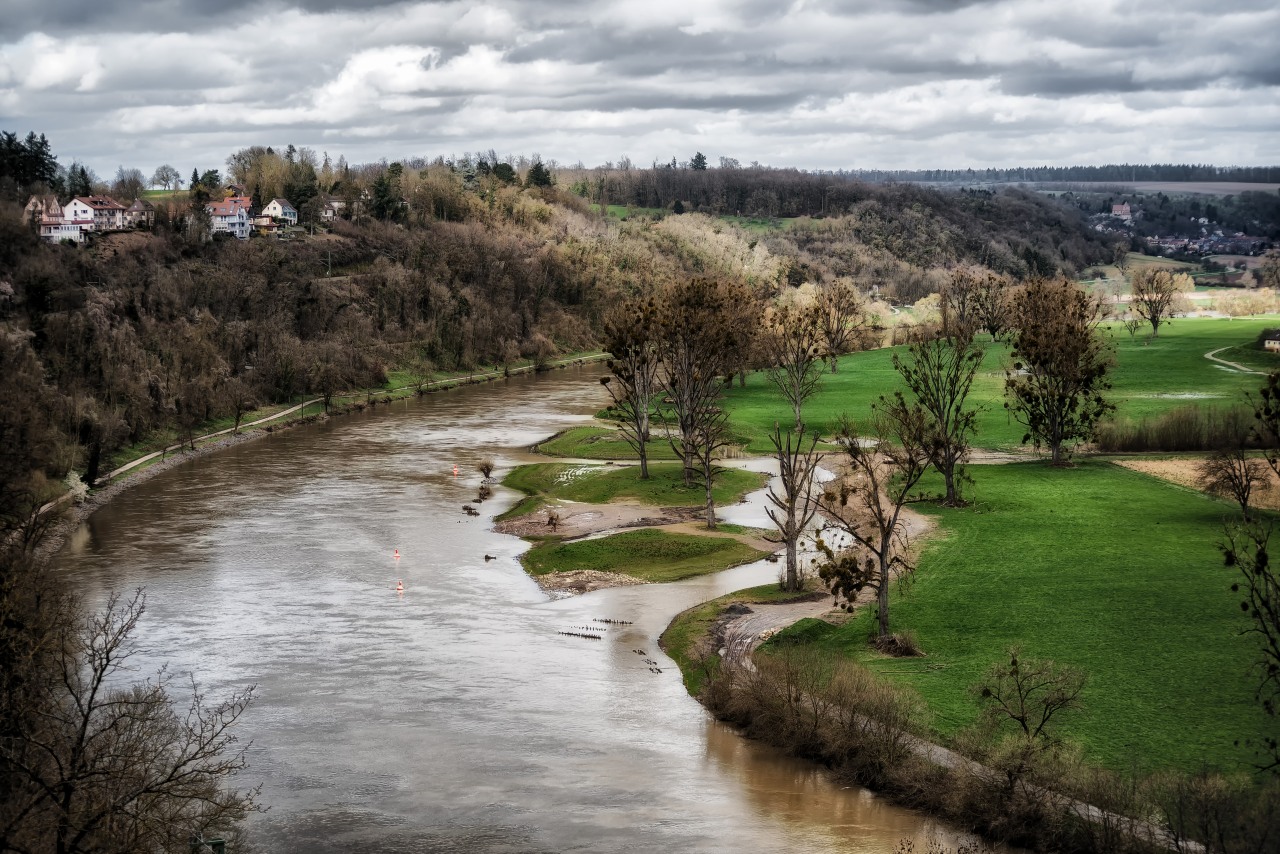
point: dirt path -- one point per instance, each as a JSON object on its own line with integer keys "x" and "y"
{"x": 1212, "y": 356}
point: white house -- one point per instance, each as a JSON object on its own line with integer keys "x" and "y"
{"x": 230, "y": 216}
{"x": 106, "y": 212}
{"x": 281, "y": 209}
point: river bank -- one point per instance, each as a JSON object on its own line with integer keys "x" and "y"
{"x": 458, "y": 715}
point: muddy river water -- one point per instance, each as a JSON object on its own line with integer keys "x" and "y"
{"x": 452, "y": 717}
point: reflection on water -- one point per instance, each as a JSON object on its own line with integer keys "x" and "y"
{"x": 450, "y": 715}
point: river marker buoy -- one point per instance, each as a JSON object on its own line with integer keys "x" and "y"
{"x": 399, "y": 586}
{"x": 397, "y": 554}
{"x": 455, "y": 469}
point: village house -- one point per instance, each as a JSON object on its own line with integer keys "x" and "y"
{"x": 107, "y": 214}
{"x": 332, "y": 208}
{"x": 140, "y": 214}
{"x": 281, "y": 209}
{"x": 1122, "y": 211}
{"x": 230, "y": 216}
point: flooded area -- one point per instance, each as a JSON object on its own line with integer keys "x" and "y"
{"x": 452, "y": 717}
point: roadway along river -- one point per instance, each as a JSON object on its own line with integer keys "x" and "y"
{"x": 453, "y": 717}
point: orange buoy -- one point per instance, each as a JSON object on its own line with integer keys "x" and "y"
{"x": 399, "y": 586}
{"x": 397, "y": 554}
{"x": 455, "y": 469}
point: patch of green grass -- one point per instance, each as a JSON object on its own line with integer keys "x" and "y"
{"x": 602, "y": 484}
{"x": 681, "y": 639}
{"x": 1150, "y": 377}
{"x": 647, "y": 554}
{"x": 600, "y": 443}
{"x": 1106, "y": 569}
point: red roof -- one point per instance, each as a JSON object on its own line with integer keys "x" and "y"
{"x": 101, "y": 203}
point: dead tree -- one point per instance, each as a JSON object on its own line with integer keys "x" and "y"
{"x": 1231, "y": 473}
{"x": 795, "y": 504}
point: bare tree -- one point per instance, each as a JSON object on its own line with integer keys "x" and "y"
{"x": 958, "y": 302}
{"x": 1231, "y": 473}
{"x": 697, "y": 344}
{"x": 1056, "y": 384}
{"x": 166, "y": 176}
{"x": 867, "y": 507}
{"x": 795, "y": 504}
{"x": 1247, "y": 547}
{"x": 240, "y": 397}
{"x": 1030, "y": 694}
{"x": 992, "y": 304}
{"x": 1154, "y": 292}
{"x": 631, "y": 338}
{"x": 793, "y": 349}
{"x": 940, "y": 373}
{"x": 841, "y": 314}
{"x": 117, "y": 769}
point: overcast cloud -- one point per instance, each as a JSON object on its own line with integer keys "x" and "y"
{"x": 819, "y": 84}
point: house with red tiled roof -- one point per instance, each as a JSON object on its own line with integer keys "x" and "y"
{"x": 230, "y": 216}
{"x": 107, "y": 214}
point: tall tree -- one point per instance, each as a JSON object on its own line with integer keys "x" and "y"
{"x": 793, "y": 506}
{"x": 1057, "y": 383}
{"x": 698, "y": 342}
{"x": 842, "y": 315}
{"x": 1154, "y": 292}
{"x": 867, "y": 505}
{"x": 699, "y": 162}
{"x": 165, "y": 176}
{"x": 128, "y": 184}
{"x": 793, "y": 348}
{"x": 630, "y": 337}
{"x": 939, "y": 374}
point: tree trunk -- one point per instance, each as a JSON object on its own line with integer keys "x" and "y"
{"x": 953, "y": 498}
{"x": 711, "y": 505}
{"x": 1057, "y": 453}
{"x": 882, "y": 602}
{"x": 792, "y": 582}
{"x": 795, "y": 406}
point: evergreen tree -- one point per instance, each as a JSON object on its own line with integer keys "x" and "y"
{"x": 539, "y": 176}
{"x": 699, "y": 162}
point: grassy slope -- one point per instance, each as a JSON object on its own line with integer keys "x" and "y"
{"x": 1097, "y": 566}
{"x": 649, "y": 554}
{"x": 1149, "y": 378}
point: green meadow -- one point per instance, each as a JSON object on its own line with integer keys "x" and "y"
{"x": 1111, "y": 571}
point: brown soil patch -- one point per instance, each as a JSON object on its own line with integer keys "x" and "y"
{"x": 1185, "y": 472}
{"x": 578, "y": 581}
{"x": 580, "y": 520}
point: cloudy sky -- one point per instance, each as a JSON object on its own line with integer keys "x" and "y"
{"x": 825, "y": 84}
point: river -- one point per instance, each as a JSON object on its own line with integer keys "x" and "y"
{"x": 452, "y": 717}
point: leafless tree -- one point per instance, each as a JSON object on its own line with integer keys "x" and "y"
{"x": 841, "y": 314}
{"x": 1030, "y": 694}
{"x": 992, "y": 304}
{"x": 101, "y": 768}
{"x": 939, "y": 373}
{"x": 1056, "y": 384}
{"x": 793, "y": 349}
{"x": 1154, "y": 293}
{"x": 1232, "y": 473}
{"x": 239, "y": 396}
{"x": 1247, "y": 547}
{"x": 700, "y": 337}
{"x": 631, "y": 339}
{"x": 794, "y": 505}
{"x": 885, "y": 465}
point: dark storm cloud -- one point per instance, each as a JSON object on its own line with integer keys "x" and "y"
{"x": 885, "y": 82}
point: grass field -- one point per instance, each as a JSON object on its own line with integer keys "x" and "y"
{"x": 647, "y": 554}
{"x": 602, "y": 484}
{"x": 1150, "y": 377}
{"x": 599, "y": 443}
{"x": 1112, "y": 571}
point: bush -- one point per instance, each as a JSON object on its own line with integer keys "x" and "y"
{"x": 1185, "y": 428}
